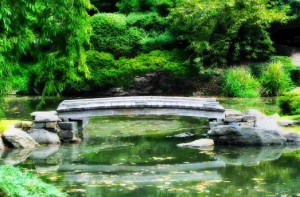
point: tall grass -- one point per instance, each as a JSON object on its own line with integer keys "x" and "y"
{"x": 274, "y": 80}
{"x": 239, "y": 82}
{"x": 15, "y": 183}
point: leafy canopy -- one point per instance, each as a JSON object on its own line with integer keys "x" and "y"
{"x": 221, "y": 32}
{"x": 51, "y": 35}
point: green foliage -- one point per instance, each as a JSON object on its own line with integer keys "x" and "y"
{"x": 149, "y": 21}
{"x": 52, "y": 34}
{"x": 238, "y": 82}
{"x": 161, "y": 41}
{"x": 221, "y": 32}
{"x": 292, "y": 70}
{"x": 274, "y": 80}
{"x": 106, "y": 70}
{"x": 15, "y": 183}
{"x": 111, "y": 34}
{"x": 289, "y": 103}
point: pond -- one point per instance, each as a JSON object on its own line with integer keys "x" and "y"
{"x": 138, "y": 156}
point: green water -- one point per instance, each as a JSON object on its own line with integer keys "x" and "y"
{"x": 137, "y": 156}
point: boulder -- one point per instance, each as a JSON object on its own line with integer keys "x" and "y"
{"x": 286, "y": 123}
{"x": 262, "y": 121}
{"x": 232, "y": 113}
{"x": 19, "y": 139}
{"x": 200, "y": 144}
{"x": 25, "y": 126}
{"x": 231, "y": 135}
{"x": 45, "y": 116}
{"x": 292, "y": 138}
{"x": 215, "y": 123}
{"x": 255, "y": 112}
{"x": 43, "y": 136}
{"x": 249, "y": 118}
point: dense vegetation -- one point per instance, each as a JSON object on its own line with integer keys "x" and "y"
{"x": 14, "y": 182}
{"x": 55, "y": 47}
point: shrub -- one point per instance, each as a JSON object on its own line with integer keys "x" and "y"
{"x": 239, "y": 82}
{"x": 289, "y": 103}
{"x": 14, "y": 183}
{"x": 290, "y": 68}
{"x": 111, "y": 34}
{"x": 275, "y": 81}
{"x": 147, "y": 21}
{"x": 159, "y": 41}
{"x": 106, "y": 70}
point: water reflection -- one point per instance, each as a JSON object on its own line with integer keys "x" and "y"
{"x": 131, "y": 156}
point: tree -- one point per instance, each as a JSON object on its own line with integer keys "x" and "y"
{"x": 52, "y": 35}
{"x": 221, "y": 32}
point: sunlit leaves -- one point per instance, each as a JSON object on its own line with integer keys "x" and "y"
{"x": 53, "y": 34}
{"x": 223, "y": 32}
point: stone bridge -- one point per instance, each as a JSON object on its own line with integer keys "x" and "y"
{"x": 140, "y": 105}
{"x": 72, "y": 116}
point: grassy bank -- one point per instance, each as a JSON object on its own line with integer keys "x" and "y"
{"x": 16, "y": 183}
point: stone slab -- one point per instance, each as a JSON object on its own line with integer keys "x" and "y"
{"x": 72, "y": 125}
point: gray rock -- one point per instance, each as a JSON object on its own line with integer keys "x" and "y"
{"x": 39, "y": 125}
{"x": 45, "y": 116}
{"x": 255, "y": 112}
{"x": 200, "y": 144}
{"x": 232, "y": 113}
{"x": 249, "y": 118}
{"x": 292, "y": 138}
{"x": 233, "y": 119}
{"x": 19, "y": 139}
{"x": 69, "y": 136}
{"x": 267, "y": 123}
{"x": 43, "y": 136}
{"x": 214, "y": 124}
{"x": 68, "y": 125}
{"x": 285, "y": 123}
{"x": 245, "y": 136}
{"x": 25, "y": 126}
{"x": 246, "y": 124}
{"x": 263, "y": 121}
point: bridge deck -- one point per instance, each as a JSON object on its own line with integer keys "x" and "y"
{"x": 122, "y": 105}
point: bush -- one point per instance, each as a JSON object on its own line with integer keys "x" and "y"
{"x": 239, "y": 82}
{"x": 158, "y": 42}
{"x": 289, "y": 104}
{"x": 15, "y": 183}
{"x": 147, "y": 21}
{"x": 274, "y": 80}
{"x": 111, "y": 34}
{"x": 161, "y": 6}
{"x": 106, "y": 70}
{"x": 290, "y": 68}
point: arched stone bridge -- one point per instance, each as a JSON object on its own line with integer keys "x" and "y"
{"x": 80, "y": 109}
